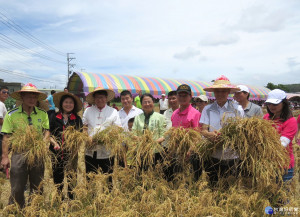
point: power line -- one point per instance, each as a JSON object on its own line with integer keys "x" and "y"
{"x": 16, "y": 44}
{"x": 20, "y": 54}
{"x": 30, "y": 77}
{"x": 15, "y": 27}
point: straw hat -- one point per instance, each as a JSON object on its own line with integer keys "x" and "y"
{"x": 90, "y": 96}
{"x": 222, "y": 83}
{"x": 28, "y": 88}
{"x": 57, "y": 97}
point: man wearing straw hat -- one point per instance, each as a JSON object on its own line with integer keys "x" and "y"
{"x": 98, "y": 117}
{"x": 20, "y": 117}
{"x": 212, "y": 119}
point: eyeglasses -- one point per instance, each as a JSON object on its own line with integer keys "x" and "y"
{"x": 4, "y": 92}
{"x": 29, "y": 120}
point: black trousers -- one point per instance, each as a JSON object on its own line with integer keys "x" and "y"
{"x": 196, "y": 166}
{"x": 93, "y": 164}
{"x": 217, "y": 169}
{"x": 59, "y": 164}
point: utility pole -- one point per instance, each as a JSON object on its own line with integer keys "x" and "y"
{"x": 69, "y": 65}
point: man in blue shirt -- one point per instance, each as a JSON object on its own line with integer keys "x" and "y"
{"x": 51, "y": 103}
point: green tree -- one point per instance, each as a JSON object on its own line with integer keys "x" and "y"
{"x": 9, "y": 103}
{"x": 283, "y": 87}
{"x": 271, "y": 86}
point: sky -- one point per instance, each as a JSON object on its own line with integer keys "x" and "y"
{"x": 250, "y": 42}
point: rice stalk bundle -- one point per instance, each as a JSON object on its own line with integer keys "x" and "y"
{"x": 180, "y": 141}
{"x": 74, "y": 139}
{"x": 258, "y": 145}
{"x": 114, "y": 140}
{"x": 30, "y": 142}
{"x": 142, "y": 149}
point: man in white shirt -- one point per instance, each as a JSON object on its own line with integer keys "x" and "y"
{"x": 128, "y": 111}
{"x": 4, "y": 93}
{"x": 223, "y": 161}
{"x": 98, "y": 117}
{"x": 173, "y": 104}
{"x": 163, "y": 104}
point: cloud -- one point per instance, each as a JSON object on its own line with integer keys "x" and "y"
{"x": 220, "y": 38}
{"x": 187, "y": 54}
{"x": 239, "y": 68}
{"x": 259, "y": 19}
{"x": 60, "y": 23}
{"x": 292, "y": 62}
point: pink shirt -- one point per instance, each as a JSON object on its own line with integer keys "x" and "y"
{"x": 188, "y": 118}
{"x": 287, "y": 129}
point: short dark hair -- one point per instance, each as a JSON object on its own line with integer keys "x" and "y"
{"x": 101, "y": 92}
{"x": 65, "y": 88}
{"x": 172, "y": 93}
{"x": 286, "y": 113}
{"x": 63, "y": 98}
{"x": 53, "y": 92}
{"x": 3, "y": 88}
{"x": 131, "y": 120}
{"x": 147, "y": 94}
{"x": 125, "y": 93}
{"x": 245, "y": 92}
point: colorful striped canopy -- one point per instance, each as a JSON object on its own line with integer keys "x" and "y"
{"x": 83, "y": 82}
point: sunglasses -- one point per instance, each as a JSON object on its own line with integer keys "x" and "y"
{"x": 4, "y": 92}
{"x": 29, "y": 120}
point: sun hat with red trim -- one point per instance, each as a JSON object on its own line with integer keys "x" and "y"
{"x": 222, "y": 82}
{"x": 28, "y": 88}
{"x": 57, "y": 97}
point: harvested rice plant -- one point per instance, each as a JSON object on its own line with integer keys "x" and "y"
{"x": 136, "y": 192}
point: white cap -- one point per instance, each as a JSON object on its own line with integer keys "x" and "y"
{"x": 243, "y": 88}
{"x": 203, "y": 98}
{"x": 276, "y": 96}
{"x": 163, "y": 94}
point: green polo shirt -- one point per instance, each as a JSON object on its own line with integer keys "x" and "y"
{"x": 17, "y": 118}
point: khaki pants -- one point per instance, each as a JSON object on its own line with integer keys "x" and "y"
{"x": 19, "y": 174}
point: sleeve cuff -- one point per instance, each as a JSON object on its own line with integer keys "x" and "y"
{"x": 284, "y": 141}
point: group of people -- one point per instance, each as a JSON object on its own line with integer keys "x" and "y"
{"x": 208, "y": 119}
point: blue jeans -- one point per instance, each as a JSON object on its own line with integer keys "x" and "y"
{"x": 288, "y": 175}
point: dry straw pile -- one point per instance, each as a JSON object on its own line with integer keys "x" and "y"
{"x": 149, "y": 194}
{"x": 31, "y": 143}
{"x": 262, "y": 156}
